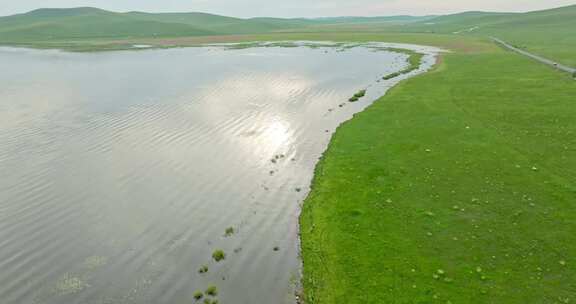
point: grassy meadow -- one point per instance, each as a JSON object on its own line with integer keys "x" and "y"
{"x": 549, "y": 33}
{"x": 456, "y": 187}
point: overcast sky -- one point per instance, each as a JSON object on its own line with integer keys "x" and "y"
{"x": 292, "y": 8}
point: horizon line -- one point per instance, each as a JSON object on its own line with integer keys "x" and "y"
{"x": 317, "y": 17}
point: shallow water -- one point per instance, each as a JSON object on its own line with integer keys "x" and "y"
{"x": 121, "y": 171}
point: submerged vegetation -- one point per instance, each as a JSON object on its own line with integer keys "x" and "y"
{"x": 212, "y": 291}
{"x": 203, "y": 269}
{"x": 229, "y": 231}
{"x": 198, "y": 295}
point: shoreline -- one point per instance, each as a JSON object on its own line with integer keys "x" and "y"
{"x": 436, "y": 193}
{"x": 301, "y": 296}
{"x": 399, "y": 77}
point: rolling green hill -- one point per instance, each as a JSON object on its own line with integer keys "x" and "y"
{"x": 89, "y": 23}
{"x": 402, "y": 19}
{"x": 221, "y": 24}
{"x": 548, "y": 32}
{"x": 86, "y": 23}
{"x": 489, "y": 22}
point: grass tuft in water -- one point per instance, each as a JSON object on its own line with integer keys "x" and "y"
{"x": 203, "y": 269}
{"x": 198, "y": 295}
{"x": 230, "y": 230}
{"x": 357, "y": 96}
{"x": 218, "y": 255}
{"x": 212, "y": 291}
{"x": 360, "y": 94}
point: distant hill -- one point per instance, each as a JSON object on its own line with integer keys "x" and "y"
{"x": 457, "y": 22}
{"x": 220, "y": 24}
{"x": 551, "y": 33}
{"x": 536, "y": 31}
{"x": 360, "y": 20}
{"x": 57, "y": 12}
{"x": 489, "y": 22}
{"x": 87, "y": 23}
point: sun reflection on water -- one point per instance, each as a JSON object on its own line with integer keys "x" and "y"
{"x": 277, "y": 134}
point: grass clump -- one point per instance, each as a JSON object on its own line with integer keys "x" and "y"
{"x": 229, "y": 231}
{"x": 392, "y": 75}
{"x": 203, "y": 269}
{"x": 198, "y": 295}
{"x": 211, "y": 291}
{"x": 218, "y": 255}
{"x": 360, "y": 94}
{"x": 357, "y": 96}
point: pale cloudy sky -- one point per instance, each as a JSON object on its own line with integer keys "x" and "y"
{"x": 292, "y": 8}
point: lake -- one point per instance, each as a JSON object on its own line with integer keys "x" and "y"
{"x": 121, "y": 171}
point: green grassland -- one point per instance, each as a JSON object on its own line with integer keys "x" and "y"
{"x": 458, "y": 186}
{"x": 549, "y": 33}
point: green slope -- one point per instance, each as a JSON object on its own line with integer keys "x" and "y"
{"x": 89, "y": 23}
{"x": 551, "y": 33}
{"x": 359, "y": 24}
{"x": 458, "y": 22}
{"x": 193, "y": 19}
{"x": 487, "y": 21}
{"x": 216, "y": 23}
{"x": 404, "y": 19}
{"x": 86, "y": 23}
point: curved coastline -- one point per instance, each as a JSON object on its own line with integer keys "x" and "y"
{"x": 428, "y": 59}
{"x": 438, "y": 192}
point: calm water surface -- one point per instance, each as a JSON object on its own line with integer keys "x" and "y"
{"x": 119, "y": 172}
